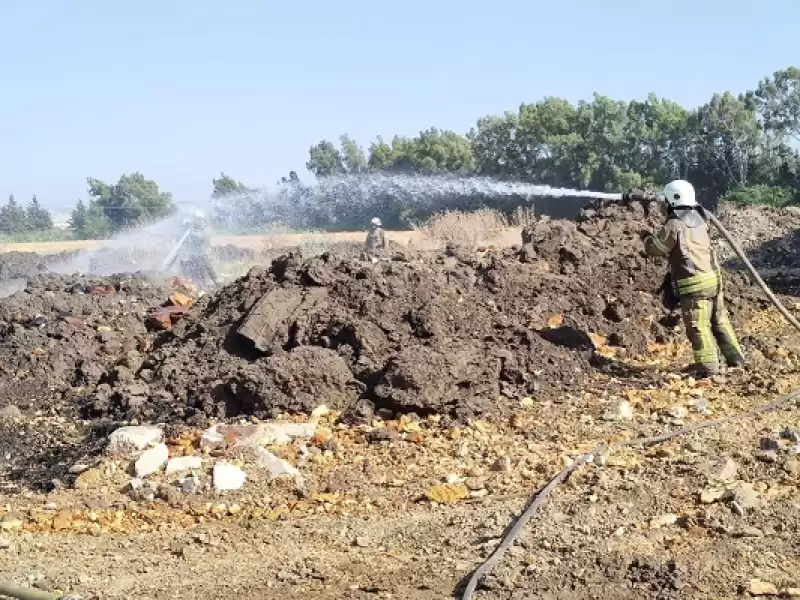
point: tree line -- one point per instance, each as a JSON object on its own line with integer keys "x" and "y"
{"x": 743, "y": 146}
{"x": 740, "y": 147}
{"x": 16, "y": 219}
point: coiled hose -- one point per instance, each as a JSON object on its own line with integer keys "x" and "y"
{"x": 538, "y": 500}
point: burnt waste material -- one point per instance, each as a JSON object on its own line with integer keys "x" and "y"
{"x": 418, "y": 333}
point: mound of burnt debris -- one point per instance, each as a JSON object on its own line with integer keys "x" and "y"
{"x": 415, "y": 333}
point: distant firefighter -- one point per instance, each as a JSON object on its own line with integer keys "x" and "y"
{"x": 194, "y": 254}
{"x": 375, "y": 244}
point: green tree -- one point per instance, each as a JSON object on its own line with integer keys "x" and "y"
{"x": 132, "y": 201}
{"x": 38, "y": 218}
{"x": 354, "y": 160}
{"x": 325, "y": 160}
{"x": 12, "y": 217}
{"x": 777, "y": 99}
{"x": 728, "y": 143}
{"x": 227, "y": 186}
{"x": 432, "y": 152}
{"x": 77, "y": 220}
{"x": 90, "y": 223}
{"x": 292, "y": 179}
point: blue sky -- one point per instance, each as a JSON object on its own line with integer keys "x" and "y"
{"x": 183, "y": 89}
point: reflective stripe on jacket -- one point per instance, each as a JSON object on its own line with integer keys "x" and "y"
{"x": 685, "y": 241}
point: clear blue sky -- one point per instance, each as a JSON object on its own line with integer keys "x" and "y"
{"x": 183, "y": 89}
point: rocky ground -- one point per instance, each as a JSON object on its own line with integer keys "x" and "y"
{"x": 338, "y": 429}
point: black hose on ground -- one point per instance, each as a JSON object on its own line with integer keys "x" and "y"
{"x": 9, "y": 590}
{"x": 541, "y": 497}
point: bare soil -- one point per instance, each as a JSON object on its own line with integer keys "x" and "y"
{"x": 457, "y": 386}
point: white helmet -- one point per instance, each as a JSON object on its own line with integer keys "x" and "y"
{"x": 376, "y": 222}
{"x": 680, "y": 193}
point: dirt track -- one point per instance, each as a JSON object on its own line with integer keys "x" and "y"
{"x": 248, "y": 241}
{"x": 456, "y": 386}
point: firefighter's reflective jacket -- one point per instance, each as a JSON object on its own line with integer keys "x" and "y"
{"x": 685, "y": 241}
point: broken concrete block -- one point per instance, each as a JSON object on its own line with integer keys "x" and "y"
{"x": 184, "y": 463}
{"x": 253, "y": 435}
{"x": 228, "y": 477}
{"x": 275, "y": 466}
{"x": 619, "y": 411}
{"x": 151, "y": 460}
{"x": 127, "y": 440}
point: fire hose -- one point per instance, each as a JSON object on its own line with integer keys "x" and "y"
{"x": 540, "y": 498}
{"x": 24, "y": 593}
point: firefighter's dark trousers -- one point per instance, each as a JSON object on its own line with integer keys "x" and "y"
{"x": 710, "y": 331}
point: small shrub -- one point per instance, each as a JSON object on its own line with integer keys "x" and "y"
{"x": 770, "y": 195}
{"x": 523, "y": 216}
{"x": 465, "y": 230}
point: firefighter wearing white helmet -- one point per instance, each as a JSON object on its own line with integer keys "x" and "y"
{"x": 375, "y": 244}
{"x": 195, "y": 256}
{"x": 696, "y": 280}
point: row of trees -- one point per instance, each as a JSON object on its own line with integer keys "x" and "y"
{"x": 725, "y": 146}
{"x": 16, "y": 219}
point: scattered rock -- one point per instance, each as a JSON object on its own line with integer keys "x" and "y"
{"x": 384, "y": 434}
{"x": 10, "y": 412}
{"x": 790, "y": 434}
{"x": 10, "y": 523}
{"x": 320, "y": 411}
{"x": 756, "y": 587}
{"x": 151, "y": 460}
{"x": 676, "y": 412}
{"x": 699, "y": 405}
{"x": 475, "y": 472}
{"x": 711, "y": 495}
{"x": 663, "y": 521}
{"x": 190, "y": 484}
{"x": 228, "y": 477}
{"x": 475, "y": 484}
{"x": 5, "y": 543}
{"x": 768, "y": 444}
{"x": 184, "y": 463}
{"x": 90, "y": 479}
{"x": 260, "y": 434}
{"x": 767, "y": 456}
{"x": 170, "y": 494}
{"x": 447, "y": 493}
{"x": 722, "y": 470}
{"x": 127, "y": 440}
{"x": 619, "y": 411}
{"x": 361, "y": 542}
{"x": 791, "y": 592}
{"x": 792, "y": 466}
{"x": 746, "y": 497}
{"x": 275, "y": 466}
{"x": 502, "y": 465}
{"x": 750, "y": 532}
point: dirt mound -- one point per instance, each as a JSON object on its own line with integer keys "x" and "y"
{"x": 24, "y": 265}
{"x": 415, "y": 334}
{"x": 767, "y": 235}
{"x": 62, "y": 332}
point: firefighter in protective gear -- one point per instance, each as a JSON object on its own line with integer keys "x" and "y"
{"x": 195, "y": 261}
{"x": 696, "y": 279}
{"x": 375, "y": 244}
